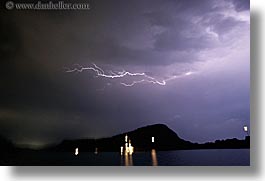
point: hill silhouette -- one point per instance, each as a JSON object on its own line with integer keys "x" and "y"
{"x": 165, "y": 139}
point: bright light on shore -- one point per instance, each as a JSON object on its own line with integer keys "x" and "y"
{"x": 245, "y": 128}
{"x": 76, "y": 151}
{"x": 128, "y": 148}
{"x": 121, "y": 150}
{"x": 153, "y": 139}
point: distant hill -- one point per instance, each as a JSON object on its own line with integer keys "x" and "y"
{"x": 141, "y": 139}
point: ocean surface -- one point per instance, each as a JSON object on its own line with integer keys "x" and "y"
{"x": 221, "y": 157}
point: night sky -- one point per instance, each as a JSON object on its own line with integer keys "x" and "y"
{"x": 193, "y": 60}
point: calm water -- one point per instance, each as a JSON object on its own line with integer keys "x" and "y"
{"x": 220, "y": 157}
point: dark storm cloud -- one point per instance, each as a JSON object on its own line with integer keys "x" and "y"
{"x": 39, "y": 101}
{"x": 136, "y": 32}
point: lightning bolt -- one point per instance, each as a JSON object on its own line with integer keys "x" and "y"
{"x": 154, "y": 81}
{"x": 112, "y": 75}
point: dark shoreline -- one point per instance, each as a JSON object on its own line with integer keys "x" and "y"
{"x": 165, "y": 140}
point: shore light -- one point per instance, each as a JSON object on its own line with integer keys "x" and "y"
{"x": 126, "y": 139}
{"x": 121, "y": 150}
{"x": 153, "y": 139}
{"x": 245, "y": 128}
{"x": 76, "y": 151}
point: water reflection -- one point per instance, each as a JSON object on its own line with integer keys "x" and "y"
{"x": 140, "y": 157}
{"x": 154, "y": 157}
{"x": 128, "y": 160}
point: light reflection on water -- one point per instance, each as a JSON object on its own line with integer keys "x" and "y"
{"x": 223, "y": 157}
{"x": 127, "y": 159}
{"x": 231, "y": 157}
{"x": 154, "y": 157}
